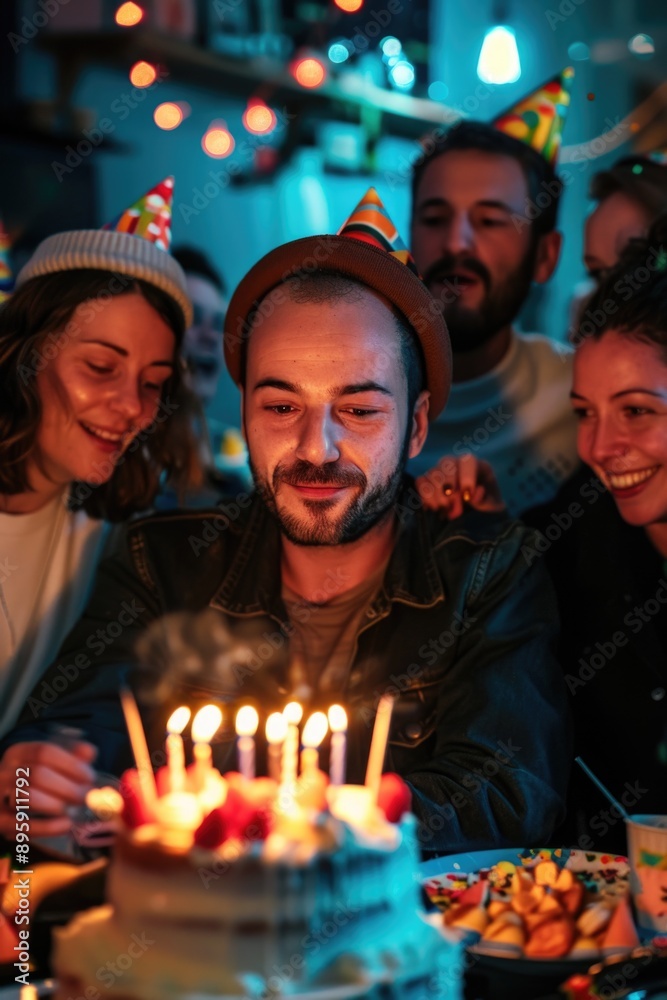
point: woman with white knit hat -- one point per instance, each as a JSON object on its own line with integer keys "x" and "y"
{"x": 90, "y": 376}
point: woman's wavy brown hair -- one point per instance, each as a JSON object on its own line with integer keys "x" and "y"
{"x": 33, "y": 323}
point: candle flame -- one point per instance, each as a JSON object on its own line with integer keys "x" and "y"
{"x": 247, "y": 721}
{"x": 178, "y": 720}
{"x": 315, "y": 730}
{"x": 293, "y": 713}
{"x": 337, "y": 719}
{"x": 205, "y": 723}
{"x": 105, "y": 802}
{"x": 276, "y": 727}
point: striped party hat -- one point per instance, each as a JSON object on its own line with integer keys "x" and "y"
{"x": 366, "y": 249}
{"x": 370, "y": 223}
{"x": 6, "y": 278}
{"x": 538, "y": 119}
{"x": 150, "y": 217}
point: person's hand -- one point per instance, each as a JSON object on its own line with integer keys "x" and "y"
{"x": 57, "y": 779}
{"x": 457, "y": 482}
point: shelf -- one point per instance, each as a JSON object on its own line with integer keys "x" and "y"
{"x": 348, "y": 97}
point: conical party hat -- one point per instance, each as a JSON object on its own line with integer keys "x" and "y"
{"x": 368, "y": 250}
{"x": 116, "y": 248}
{"x": 371, "y": 224}
{"x": 150, "y": 217}
{"x": 6, "y": 279}
{"x": 538, "y": 119}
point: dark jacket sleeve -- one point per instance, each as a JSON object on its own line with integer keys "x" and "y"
{"x": 503, "y": 746}
{"x": 81, "y": 687}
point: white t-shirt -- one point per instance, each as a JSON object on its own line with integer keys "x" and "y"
{"x": 48, "y": 560}
{"x": 518, "y": 417}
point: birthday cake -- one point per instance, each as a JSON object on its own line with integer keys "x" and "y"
{"x": 258, "y": 901}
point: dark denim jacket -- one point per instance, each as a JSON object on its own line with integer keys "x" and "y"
{"x": 462, "y": 633}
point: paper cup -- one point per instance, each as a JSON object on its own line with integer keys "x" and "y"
{"x": 647, "y": 853}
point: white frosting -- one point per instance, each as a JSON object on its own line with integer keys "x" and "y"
{"x": 240, "y": 921}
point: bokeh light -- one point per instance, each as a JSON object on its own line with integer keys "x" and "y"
{"x": 642, "y": 45}
{"x": 218, "y": 141}
{"x": 391, "y": 46}
{"x": 259, "y": 118}
{"x": 349, "y": 6}
{"x": 338, "y": 52}
{"x": 402, "y": 75}
{"x": 129, "y": 14}
{"x": 438, "y": 91}
{"x": 579, "y": 51}
{"x": 308, "y": 72}
{"x": 168, "y": 116}
{"x": 143, "y": 74}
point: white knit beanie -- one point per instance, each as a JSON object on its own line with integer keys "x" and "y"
{"x": 107, "y": 250}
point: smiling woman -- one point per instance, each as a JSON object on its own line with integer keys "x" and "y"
{"x": 608, "y": 548}
{"x": 90, "y": 373}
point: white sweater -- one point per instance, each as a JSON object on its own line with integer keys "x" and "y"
{"x": 48, "y": 560}
{"x": 518, "y": 417}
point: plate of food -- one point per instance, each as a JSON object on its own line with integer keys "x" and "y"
{"x": 538, "y": 911}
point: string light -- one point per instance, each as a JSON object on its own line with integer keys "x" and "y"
{"x": 129, "y": 14}
{"x": 168, "y": 116}
{"x": 308, "y": 72}
{"x": 258, "y": 118}
{"x": 218, "y": 142}
{"x": 349, "y": 6}
{"x": 143, "y": 74}
{"x": 499, "y": 58}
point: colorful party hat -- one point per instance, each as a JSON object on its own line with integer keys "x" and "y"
{"x": 538, "y": 119}
{"x": 370, "y": 223}
{"x": 6, "y": 279}
{"x": 114, "y": 248}
{"x": 150, "y": 217}
{"x": 368, "y": 250}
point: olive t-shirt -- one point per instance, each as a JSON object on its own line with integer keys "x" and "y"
{"x": 322, "y": 645}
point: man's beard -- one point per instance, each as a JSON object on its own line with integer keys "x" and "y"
{"x": 471, "y": 328}
{"x": 365, "y": 511}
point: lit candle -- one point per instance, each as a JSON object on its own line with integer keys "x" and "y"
{"x": 314, "y": 732}
{"x": 204, "y": 727}
{"x": 178, "y": 815}
{"x": 338, "y": 726}
{"x": 105, "y": 802}
{"x": 176, "y": 723}
{"x": 352, "y": 803}
{"x": 247, "y": 721}
{"x": 276, "y": 731}
{"x": 379, "y": 745}
{"x": 139, "y": 749}
{"x": 290, "y": 762}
